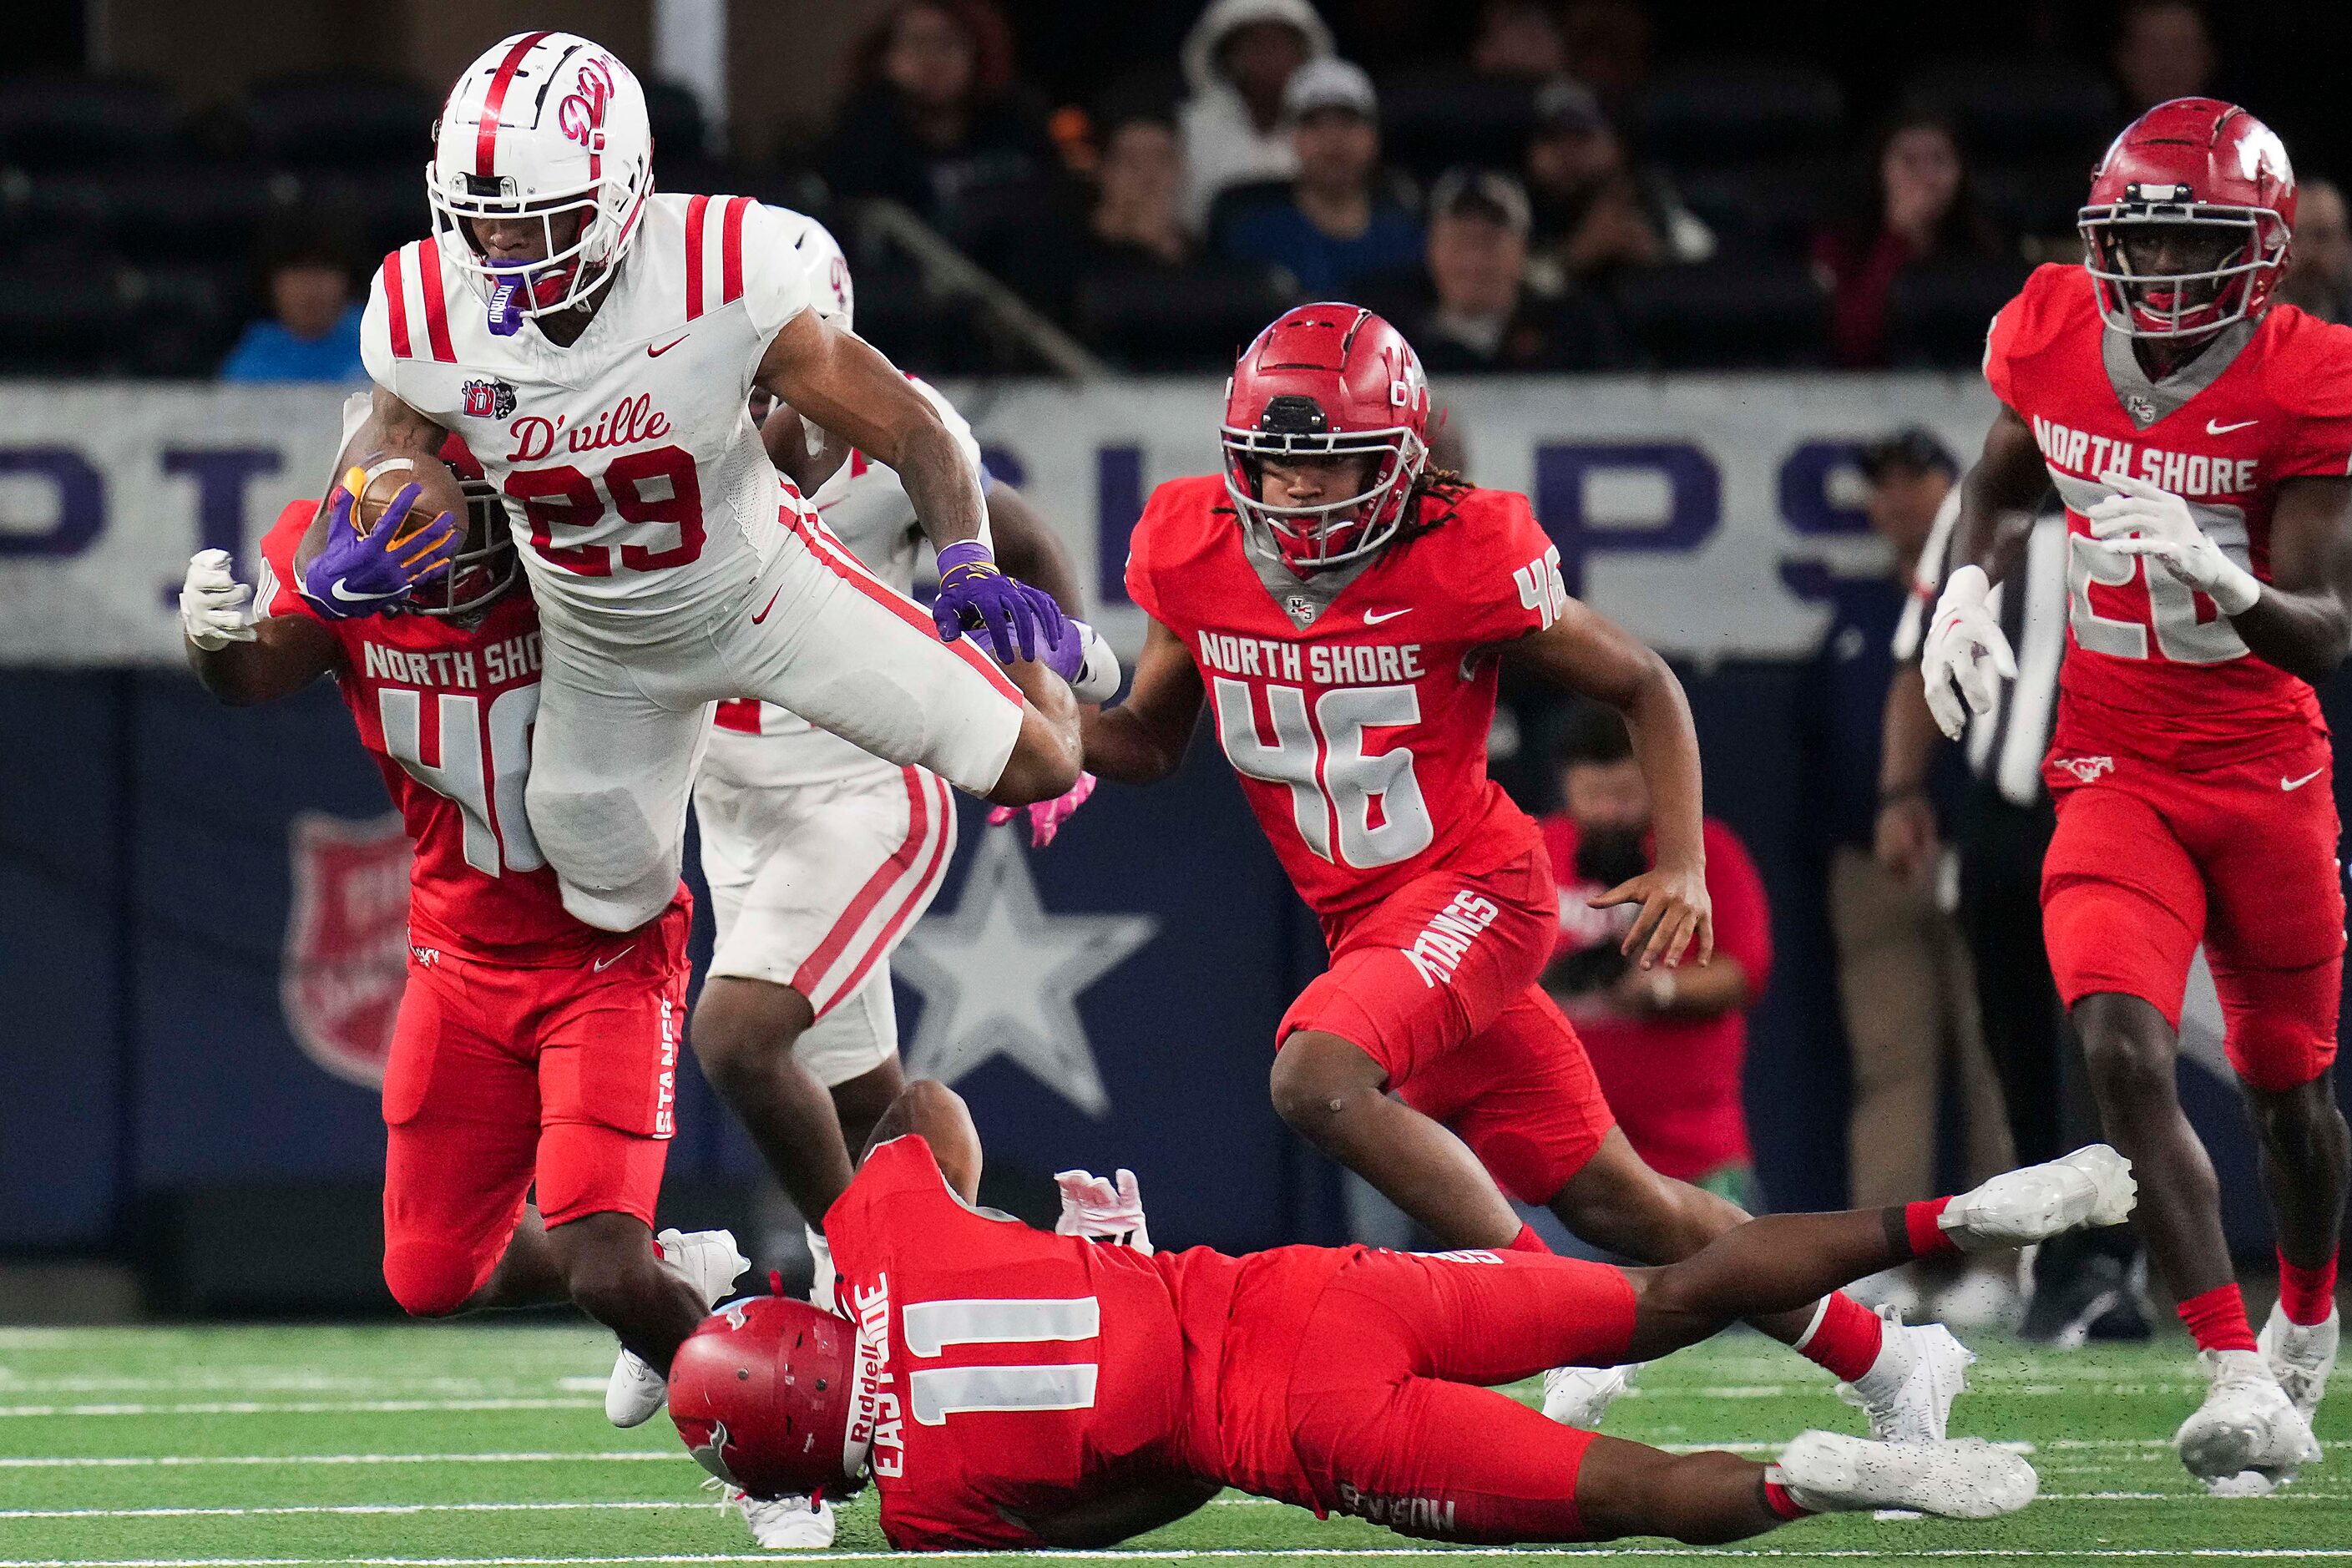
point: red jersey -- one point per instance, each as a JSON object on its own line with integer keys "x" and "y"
{"x": 1673, "y": 1083}
{"x": 1355, "y": 704}
{"x": 2153, "y": 669}
{"x": 446, "y": 709}
{"x": 1005, "y": 1372}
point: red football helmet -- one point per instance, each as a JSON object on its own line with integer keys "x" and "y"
{"x": 486, "y": 564}
{"x": 763, "y": 1392}
{"x": 1327, "y": 380}
{"x": 2201, "y": 165}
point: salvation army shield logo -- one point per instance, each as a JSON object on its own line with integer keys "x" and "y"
{"x": 346, "y": 953}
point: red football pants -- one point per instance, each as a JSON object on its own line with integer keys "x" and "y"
{"x": 502, "y": 1077}
{"x": 1384, "y": 1417}
{"x": 2148, "y": 861}
{"x": 1458, "y": 1023}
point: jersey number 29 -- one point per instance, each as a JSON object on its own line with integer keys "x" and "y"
{"x": 656, "y": 488}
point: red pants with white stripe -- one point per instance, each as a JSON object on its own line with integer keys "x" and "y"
{"x": 813, "y": 884}
{"x": 502, "y": 1079}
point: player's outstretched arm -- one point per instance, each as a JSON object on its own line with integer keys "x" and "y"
{"x": 938, "y": 1114}
{"x": 844, "y": 384}
{"x": 1585, "y": 652}
{"x": 243, "y": 663}
{"x": 2301, "y": 623}
{"x": 1108, "y": 1520}
{"x": 1142, "y": 740}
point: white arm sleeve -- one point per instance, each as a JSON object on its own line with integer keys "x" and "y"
{"x": 1928, "y": 578}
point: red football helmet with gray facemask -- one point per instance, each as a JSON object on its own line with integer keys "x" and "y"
{"x": 764, "y": 1394}
{"x": 546, "y": 126}
{"x": 1328, "y": 381}
{"x": 2214, "y": 179}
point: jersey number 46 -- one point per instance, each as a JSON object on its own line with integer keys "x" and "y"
{"x": 1359, "y": 808}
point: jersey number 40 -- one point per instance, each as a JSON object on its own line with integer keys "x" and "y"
{"x": 1365, "y": 805}
{"x": 482, "y": 767}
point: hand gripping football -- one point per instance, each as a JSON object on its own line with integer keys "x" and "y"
{"x": 378, "y": 481}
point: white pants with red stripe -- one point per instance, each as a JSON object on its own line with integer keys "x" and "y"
{"x": 625, "y": 704}
{"x": 813, "y": 885}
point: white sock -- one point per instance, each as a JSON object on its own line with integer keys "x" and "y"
{"x": 1894, "y": 1364}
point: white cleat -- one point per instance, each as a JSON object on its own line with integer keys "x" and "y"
{"x": 785, "y": 1523}
{"x": 1908, "y": 1391}
{"x": 1581, "y": 1395}
{"x": 2093, "y": 1186}
{"x": 2301, "y": 1355}
{"x": 1967, "y": 1478}
{"x": 707, "y": 1261}
{"x": 2246, "y": 1424}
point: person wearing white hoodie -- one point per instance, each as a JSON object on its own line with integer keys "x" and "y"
{"x": 1237, "y": 59}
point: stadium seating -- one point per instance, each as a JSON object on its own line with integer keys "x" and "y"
{"x": 1936, "y": 316}
{"x": 2011, "y": 112}
{"x": 339, "y": 120}
{"x": 1430, "y": 120}
{"x": 63, "y": 122}
{"x": 1194, "y": 319}
{"x": 1736, "y": 313}
{"x": 1737, "y": 111}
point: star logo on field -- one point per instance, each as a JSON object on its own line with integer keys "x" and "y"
{"x": 999, "y": 976}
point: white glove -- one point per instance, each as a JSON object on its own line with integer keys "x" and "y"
{"x": 1098, "y": 677}
{"x": 1102, "y": 1210}
{"x": 1964, "y": 649}
{"x": 2142, "y": 519}
{"x": 213, "y": 603}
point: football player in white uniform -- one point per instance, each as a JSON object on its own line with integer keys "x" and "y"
{"x": 595, "y": 343}
{"x": 819, "y": 858}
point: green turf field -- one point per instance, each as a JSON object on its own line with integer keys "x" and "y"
{"x": 487, "y": 1445}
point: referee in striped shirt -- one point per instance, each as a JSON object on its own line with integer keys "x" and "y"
{"x": 2091, "y": 1286}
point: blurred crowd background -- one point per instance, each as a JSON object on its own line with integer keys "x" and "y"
{"x": 1042, "y": 186}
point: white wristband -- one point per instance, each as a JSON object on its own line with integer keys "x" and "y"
{"x": 1098, "y": 676}
{"x": 2237, "y": 590}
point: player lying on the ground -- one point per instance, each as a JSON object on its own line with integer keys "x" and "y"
{"x": 1005, "y": 1388}
{"x": 2199, "y": 437}
{"x": 593, "y": 342}
{"x": 531, "y": 1048}
{"x": 1343, "y": 609}
{"x": 820, "y": 856}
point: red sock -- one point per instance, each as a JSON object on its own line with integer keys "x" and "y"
{"x": 2217, "y": 1320}
{"x": 1844, "y": 1338}
{"x": 1527, "y": 1241}
{"x": 2306, "y": 1295}
{"x": 1783, "y": 1506}
{"x": 1927, "y": 1237}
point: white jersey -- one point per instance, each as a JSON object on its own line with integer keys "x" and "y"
{"x": 758, "y": 745}
{"x": 639, "y": 480}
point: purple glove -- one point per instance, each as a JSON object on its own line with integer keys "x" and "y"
{"x": 366, "y": 575}
{"x": 1046, "y": 816}
{"x": 974, "y": 596}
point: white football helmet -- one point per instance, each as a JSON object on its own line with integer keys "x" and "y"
{"x": 544, "y": 124}
{"x": 835, "y": 298}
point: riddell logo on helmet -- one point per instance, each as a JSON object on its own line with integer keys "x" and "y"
{"x": 874, "y": 1416}
{"x": 582, "y": 112}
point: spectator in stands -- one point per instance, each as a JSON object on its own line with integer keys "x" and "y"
{"x": 1920, "y": 209}
{"x": 1518, "y": 41}
{"x": 934, "y": 115}
{"x": 1607, "y": 49}
{"x": 1138, "y": 218}
{"x": 312, "y": 330}
{"x": 1595, "y": 211}
{"x": 1667, "y": 1044}
{"x": 1335, "y": 226}
{"x": 1905, "y": 982}
{"x": 2319, "y": 267}
{"x": 1238, "y": 59}
{"x": 1479, "y": 315}
{"x": 2163, "y": 50}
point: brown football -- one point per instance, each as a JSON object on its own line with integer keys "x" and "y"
{"x": 382, "y": 478}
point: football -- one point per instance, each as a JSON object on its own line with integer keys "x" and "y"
{"x": 377, "y": 479}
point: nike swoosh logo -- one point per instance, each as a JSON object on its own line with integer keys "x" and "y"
{"x": 2214, "y": 429}
{"x": 766, "y": 608}
{"x": 602, "y": 965}
{"x": 653, "y": 353}
{"x": 2298, "y": 784}
{"x": 1374, "y": 617}
{"x": 348, "y": 597}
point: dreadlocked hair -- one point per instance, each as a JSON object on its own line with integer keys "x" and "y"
{"x": 1443, "y": 485}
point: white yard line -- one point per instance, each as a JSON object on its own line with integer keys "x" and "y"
{"x": 300, "y": 1408}
{"x": 346, "y": 1508}
{"x": 1129, "y": 1555}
